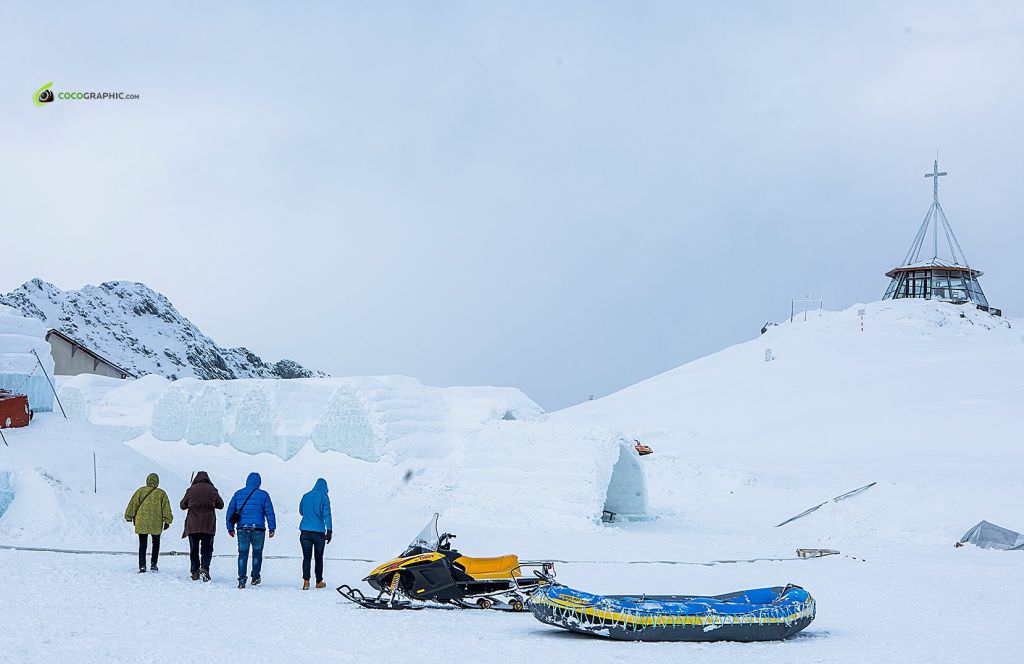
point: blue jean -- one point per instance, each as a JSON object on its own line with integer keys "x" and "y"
{"x": 248, "y": 537}
{"x": 312, "y": 544}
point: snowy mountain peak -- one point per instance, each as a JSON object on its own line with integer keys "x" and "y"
{"x": 139, "y": 329}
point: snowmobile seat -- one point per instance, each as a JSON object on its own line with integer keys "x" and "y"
{"x": 499, "y": 567}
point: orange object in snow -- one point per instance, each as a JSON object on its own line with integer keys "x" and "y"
{"x": 14, "y": 410}
{"x": 641, "y": 449}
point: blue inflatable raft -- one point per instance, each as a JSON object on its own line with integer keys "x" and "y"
{"x": 764, "y": 614}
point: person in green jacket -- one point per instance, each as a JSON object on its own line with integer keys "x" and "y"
{"x": 150, "y": 511}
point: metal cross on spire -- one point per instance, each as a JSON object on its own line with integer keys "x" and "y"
{"x": 935, "y": 221}
{"x": 935, "y": 175}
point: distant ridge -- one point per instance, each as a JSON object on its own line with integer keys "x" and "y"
{"x": 140, "y": 330}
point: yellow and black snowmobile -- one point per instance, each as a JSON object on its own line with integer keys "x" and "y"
{"x": 430, "y": 570}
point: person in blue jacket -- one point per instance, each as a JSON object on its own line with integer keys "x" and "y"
{"x": 315, "y": 530}
{"x": 251, "y": 512}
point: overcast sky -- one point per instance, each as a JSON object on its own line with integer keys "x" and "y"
{"x": 564, "y": 197}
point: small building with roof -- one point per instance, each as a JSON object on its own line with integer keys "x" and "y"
{"x": 945, "y": 275}
{"x": 71, "y": 358}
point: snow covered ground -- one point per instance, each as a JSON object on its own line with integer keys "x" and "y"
{"x": 925, "y": 402}
{"x": 907, "y": 606}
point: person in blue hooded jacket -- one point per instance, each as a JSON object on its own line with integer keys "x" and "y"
{"x": 315, "y": 530}
{"x": 251, "y": 512}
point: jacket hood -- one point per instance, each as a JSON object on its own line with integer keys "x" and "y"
{"x": 201, "y": 478}
{"x": 320, "y": 485}
{"x": 253, "y": 481}
{"x": 153, "y": 480}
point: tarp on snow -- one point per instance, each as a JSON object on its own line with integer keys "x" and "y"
{"x": 990, "y": 536}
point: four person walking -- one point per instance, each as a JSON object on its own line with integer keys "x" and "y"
{"x": 250, "y": 517}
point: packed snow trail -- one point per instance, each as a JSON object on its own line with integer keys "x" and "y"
{"x": 109, "y": 612}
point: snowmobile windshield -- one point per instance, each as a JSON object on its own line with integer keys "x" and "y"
{"x": 428, "y": 540}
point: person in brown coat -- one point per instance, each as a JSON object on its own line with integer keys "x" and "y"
{"x": 201, "y": 499}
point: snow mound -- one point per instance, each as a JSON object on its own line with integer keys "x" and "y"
{"x": 478, "y": 454}
{"x": 926, "y": 401}
{"x": 370, "y": 418}
{"x": 49, "y": 495}
{"x": 895, "y": 391}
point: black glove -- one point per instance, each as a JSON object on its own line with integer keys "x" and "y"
{"x": 166, "y": 525}
{"x": 330, "y": 533}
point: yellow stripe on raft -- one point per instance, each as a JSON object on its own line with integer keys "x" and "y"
{"x": 707, "y": 619}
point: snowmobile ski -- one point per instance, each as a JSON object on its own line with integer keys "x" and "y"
{"x": 356, "y": 596}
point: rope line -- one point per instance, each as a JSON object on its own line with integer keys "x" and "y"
{"x": 710, "y": 563}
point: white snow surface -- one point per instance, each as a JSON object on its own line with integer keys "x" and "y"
{"x": 927, "y": 401}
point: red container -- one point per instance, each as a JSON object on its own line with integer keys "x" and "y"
{"x": 14, "y": 410}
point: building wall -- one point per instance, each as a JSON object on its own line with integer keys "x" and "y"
{"x": 68, "y": 362}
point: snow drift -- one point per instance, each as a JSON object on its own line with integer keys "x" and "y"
{"x": 478, "y": 454}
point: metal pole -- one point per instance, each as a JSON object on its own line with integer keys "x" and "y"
{"x": 2, "y": 436}
{"x": 94, "y": 484}
{"x": 50, "y": 383}
{"x": 792, "y": 309}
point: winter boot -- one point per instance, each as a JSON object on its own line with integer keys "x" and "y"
{"x": 321, "y": 584}
{"x": 305, "y": 583}
{"x": 204, "y": 574}
{"x": 153, "y": 568}
{"x": 241, "y": 584}
{"x": 255, "y": 581}
{"x": 195, "y": 576}
{"x": 142, "y": 570}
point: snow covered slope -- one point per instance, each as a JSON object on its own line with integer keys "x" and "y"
{"x": 48, "y": 495}
{"x": 141, "y": 331}
{"x": 927, "y": 401}
{"x": 922, "y": 382}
